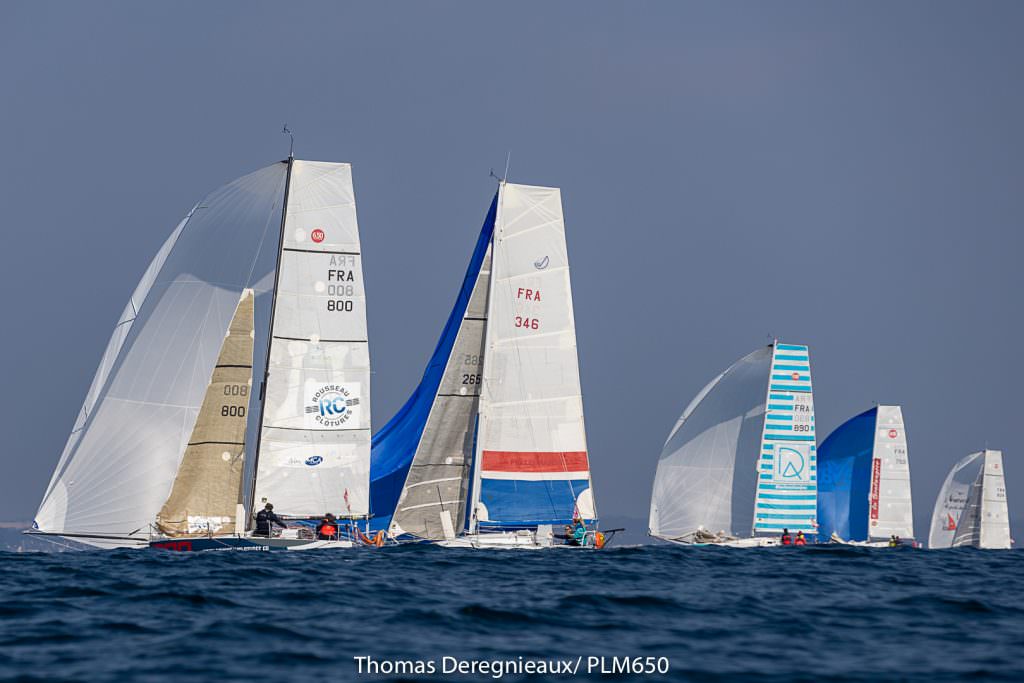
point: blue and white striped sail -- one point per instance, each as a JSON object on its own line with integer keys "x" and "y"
{"x": 787, "y": 477}
{"x": 719, "y": 461}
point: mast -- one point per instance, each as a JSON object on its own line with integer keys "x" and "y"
{"x": 478, "y": 441}
{"x": 270, "y": 336}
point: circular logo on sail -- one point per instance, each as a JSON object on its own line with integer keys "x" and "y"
{"x": 318, "y": 235}
{"x": 795, "y": 376}
{"x": 314, "y": 460}
{"x": 331, "y": 406}
{"x": 893, "y": 433}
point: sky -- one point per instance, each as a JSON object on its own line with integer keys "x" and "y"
{"x": 844, "y": 175}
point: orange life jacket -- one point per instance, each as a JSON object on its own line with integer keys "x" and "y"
{"x": 327, "y": 529}
{"x": 800, "y": 540}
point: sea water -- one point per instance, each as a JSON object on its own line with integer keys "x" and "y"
{"x": 632, "y": 613}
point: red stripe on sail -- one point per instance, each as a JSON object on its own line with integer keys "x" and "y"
{"x": 518, "y": 461}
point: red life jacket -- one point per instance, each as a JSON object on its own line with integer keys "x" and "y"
{"x": 800, "y": 540}
{"x": 327, "y": 530}
{"x": 786, "y": 540}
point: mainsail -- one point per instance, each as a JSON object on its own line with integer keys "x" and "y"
{"x": 207, "y": 491}
{"x": 314, "y": 454}
{"x": 741, "y": 459}
{"x": 971, "y": 507}
{"x": 531, "y": 465}
{"x": 122, "y": 456}
{"x": 864, "y": 478}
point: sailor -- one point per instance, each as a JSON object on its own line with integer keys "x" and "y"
{"x": 786, "y": 539}
{"x": 800, "y": 540}
{"x": 265, "y": 518}
{"x": 569, "y": 540}
{"x": 579, "y": 531}
{"x": 328, "y": 528}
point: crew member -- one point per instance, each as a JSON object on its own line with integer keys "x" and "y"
{"x": 328, "y": 528}
{"x": 569, "y": 540}
{"x": 786, "y": 538}
{"x": 265, "y": 518}
{"x": 579, "y": 531}
{"x": 800, "y": 540}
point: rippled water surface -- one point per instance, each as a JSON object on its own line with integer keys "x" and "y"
{"x": 812, "y": 614}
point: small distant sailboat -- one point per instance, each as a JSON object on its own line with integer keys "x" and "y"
{"x": 740, "y": 465}
{"x": 971, "y": 508}
{"x": 265, "y": 269}
{"x": 864, "y": 481}
{"x": 491, "y": 451}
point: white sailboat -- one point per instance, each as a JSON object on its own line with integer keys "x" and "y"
{"x": 864, "y": 481}
{"x": 505, "y": 372}
{"x": 971, "y": 507}
{"x": 740, "y": 465}
{"x": 277, "y": 252}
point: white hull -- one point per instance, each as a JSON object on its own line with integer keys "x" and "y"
{"x": 509, "y": 540}
{"x": 754, "y": 542}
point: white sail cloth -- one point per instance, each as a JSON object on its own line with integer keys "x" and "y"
{"x": 971, "y": 507}
{"x": 706, "y": 475}
{"x": 123, "y": 453}
{"x": 890, "y": 509}
{"x": 315, "y": 447}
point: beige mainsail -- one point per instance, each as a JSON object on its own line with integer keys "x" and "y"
{"x": 208, "y": 487}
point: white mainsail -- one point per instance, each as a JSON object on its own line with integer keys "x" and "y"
{"x": 971, "y": 507}
{"x": 531, "y": 462}
{"x": 314, "y": 454}
{"x": 890, "y": 508}
{"x": 122, "y": 456}
{"x": 722, "y": 470}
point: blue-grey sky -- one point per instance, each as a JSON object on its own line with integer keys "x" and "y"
{"x": 846, "y": 175}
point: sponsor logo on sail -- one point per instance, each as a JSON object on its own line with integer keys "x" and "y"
{"x": 893, "y": 433}
{"x": 318, "y": 235}
{"x": 795, "y": 376}
{"x": 791, "y": 463}
{"x": 314, "y": 460}
{"x": 541, "y": 263}
{"x": 331, "y": 405}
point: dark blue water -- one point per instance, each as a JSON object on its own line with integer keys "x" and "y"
{"x": 814, "y": 614}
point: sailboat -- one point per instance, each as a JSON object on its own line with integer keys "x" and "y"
{"x": 176, "y": 445}
{"x": 971, "y": 508}
{"x": 739, "y": 467}
{"x": 864, "y": 481}
{"x": 490, "y": 450}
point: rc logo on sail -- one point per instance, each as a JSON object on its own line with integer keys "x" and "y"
{"x": 331, "y": 406}
{"x": 318, "y": 235}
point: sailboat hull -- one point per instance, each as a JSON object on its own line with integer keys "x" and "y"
{"x": 245, "y": 543}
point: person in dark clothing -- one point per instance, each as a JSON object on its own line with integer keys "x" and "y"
{"x": 264, "y": 519}
{"x": 786, "y": 538}
{"x": 327, "y": 530}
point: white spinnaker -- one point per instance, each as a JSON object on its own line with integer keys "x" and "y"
{"x": 120, "y": 461}
{"x": 890, "y": 511}
{"x": 315, "y": 445}
{"x": 706, "y": 475}
{"x": 951, "y": 500}
{"x": 530, "y": 400}
{"x": 995, "y": 518}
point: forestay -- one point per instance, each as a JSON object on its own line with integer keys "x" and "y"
{"x": 531, "y": 455}
{"x": 787, "y": 470}
{"x": 207, "y": 493}
{"x": 121, "y": 458}
{"x": 706, "y": 473}
{"x": 314, "y": 453}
